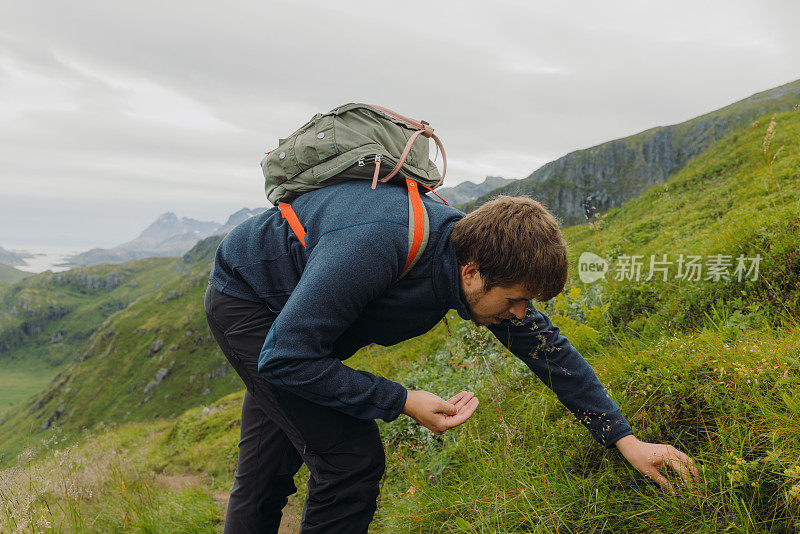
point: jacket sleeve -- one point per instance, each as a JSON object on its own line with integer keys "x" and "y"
{"x": 345, "y": 271}
{"x": 537, "y": 342}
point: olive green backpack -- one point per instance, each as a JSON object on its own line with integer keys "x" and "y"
{"x": 356, "y": 141}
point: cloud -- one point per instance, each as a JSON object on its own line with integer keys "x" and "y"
{"x": 126, "y": 101}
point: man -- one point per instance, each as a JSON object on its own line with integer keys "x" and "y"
{"x": 286, "y": 315}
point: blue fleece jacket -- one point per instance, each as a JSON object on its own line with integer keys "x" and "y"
{"x": 340, "y": 293}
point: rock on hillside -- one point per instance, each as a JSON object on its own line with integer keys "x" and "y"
{"x": 47, "y": 316}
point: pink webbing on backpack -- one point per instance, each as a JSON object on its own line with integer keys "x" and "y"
{"x": 422, "y": 128}
{"x": 419, "y": 125}
{"x": 437, "y": 194}
{"x": 377, "y": 170}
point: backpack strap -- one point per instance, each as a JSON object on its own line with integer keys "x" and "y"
{"x": 294, "y": 223}
{"x": 437, "y": 194}
{"x": 419, "y": 227}
{"x": 427, "y": 132}
{"x": 422, "y": 128}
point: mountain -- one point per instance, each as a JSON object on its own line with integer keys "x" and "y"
{"x": 238, "y": 218}
{"x": 9, "y": 257}
{"x": 166, "y": 232}
{"x": 619, "y": 170}
{"x": 468, "y": 191}
{"x": 167, "y": 236}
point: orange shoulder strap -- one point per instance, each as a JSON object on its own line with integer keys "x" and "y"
{"x": 418, "y": 227}
{"x": 294, "y": 223}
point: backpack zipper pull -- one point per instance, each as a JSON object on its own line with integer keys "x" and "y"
{"x": 377, "y": 170}
{"x": 361, "y": 162}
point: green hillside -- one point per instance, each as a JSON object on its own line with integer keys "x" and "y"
{"x": 47, "y": 317}
{"x": 152, "y": 358}
{"x": 10, "y": 275}
{"x": 711, "y": 366}
{"x": 742, "y": 198}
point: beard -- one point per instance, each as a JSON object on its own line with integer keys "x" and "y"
{"x": 472, "y": 299}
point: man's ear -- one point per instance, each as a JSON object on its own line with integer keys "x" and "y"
{"x": 471, "y": 276}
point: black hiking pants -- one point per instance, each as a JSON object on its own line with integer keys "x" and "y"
{"x": 280, "y": 431}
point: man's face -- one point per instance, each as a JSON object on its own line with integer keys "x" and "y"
{"x": 500, "y": 302}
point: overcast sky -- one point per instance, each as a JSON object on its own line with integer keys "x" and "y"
{"x": 112, "y": 113}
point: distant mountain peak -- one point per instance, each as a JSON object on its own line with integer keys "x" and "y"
{"x": 168, "y": 226}
{"x": 469, "y": 191}
{"x": 168, "y": 235}
{"x": 238, "y": 218}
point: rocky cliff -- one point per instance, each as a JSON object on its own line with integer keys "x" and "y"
{"x": 605, "y": 176}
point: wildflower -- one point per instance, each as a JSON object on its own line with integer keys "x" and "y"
{"x": 737, "y": 471}
{"x": 769, "y": 135}
{"x": 792, "y": 472}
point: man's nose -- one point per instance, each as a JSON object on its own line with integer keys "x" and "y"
{"x": 518, "y": 310}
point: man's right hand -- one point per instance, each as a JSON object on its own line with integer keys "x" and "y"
{"x": 437, "y": 414}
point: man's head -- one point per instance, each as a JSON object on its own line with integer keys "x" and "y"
{"x": 509, "y": 251}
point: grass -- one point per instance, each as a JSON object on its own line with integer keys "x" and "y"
{"x": 10, "y": 275}
{"x": 730, "y": 201}
{"x": 18, "y": 383}
{"x": 47, "y": 317}
{"x": 522, "y": 463}
{"x": 100, "y": 486}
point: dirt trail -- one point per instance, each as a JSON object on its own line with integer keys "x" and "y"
{"x": 291, "y": 513}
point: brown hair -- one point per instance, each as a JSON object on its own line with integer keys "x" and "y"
{"x": 514, "y": 240}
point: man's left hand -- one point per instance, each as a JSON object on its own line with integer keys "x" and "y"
{"x": 651, "y": 458}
